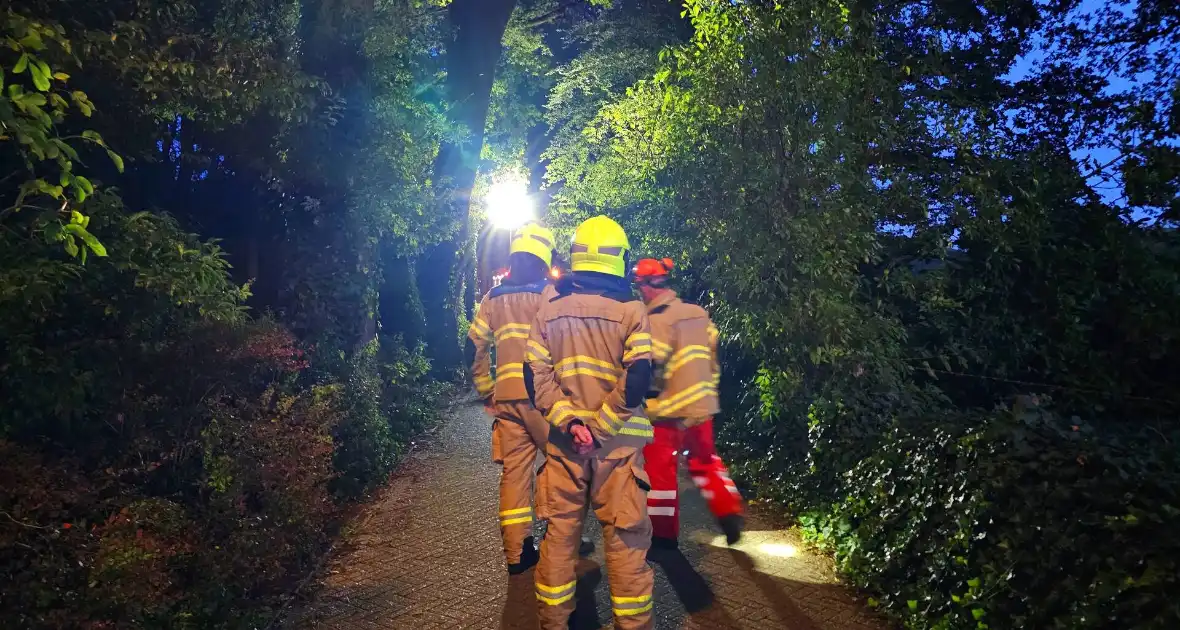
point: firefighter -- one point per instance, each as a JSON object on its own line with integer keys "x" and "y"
{"x": 681, "y": 406}
{"x": 519, "y": 431}
{"x": 589, "y": 354}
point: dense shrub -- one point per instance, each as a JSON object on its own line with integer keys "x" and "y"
{"x": 185, "y": 512}
{"x": 1003, "y": 519}
{"x": 167, "y": 461}
{"x": 193, "y": 515}
{"x": 386, "y": 398}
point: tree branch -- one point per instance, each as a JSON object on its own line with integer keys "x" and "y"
{"x": 549, "y": 16}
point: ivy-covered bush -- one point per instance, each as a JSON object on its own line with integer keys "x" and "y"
{"x": 1015, "y": 518}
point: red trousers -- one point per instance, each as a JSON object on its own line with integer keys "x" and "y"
{"x": 707, "y": 470}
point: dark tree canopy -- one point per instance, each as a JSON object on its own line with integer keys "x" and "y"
{"x": 240, "y": 241}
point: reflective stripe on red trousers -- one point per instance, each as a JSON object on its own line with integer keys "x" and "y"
{"x": 707, "y": 470}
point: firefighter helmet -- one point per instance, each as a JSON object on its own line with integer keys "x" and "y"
{"x": 600, "y": 245}
{"x": 534, "y": 239}
{"x": 652, "y": 271}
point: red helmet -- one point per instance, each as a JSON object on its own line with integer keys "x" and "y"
{"x": 652, "y": 271}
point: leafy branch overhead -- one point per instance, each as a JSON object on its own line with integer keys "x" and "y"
{"x": 29, "y": 119}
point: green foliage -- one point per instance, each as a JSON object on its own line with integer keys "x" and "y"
{"x": 172, "y": 458}
{"x": 27, "y": 136}
{"x": 900, "y": 248}
{"x": 950, "y": 513}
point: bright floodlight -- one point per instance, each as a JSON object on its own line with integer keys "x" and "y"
{"x": 508, "y": 204}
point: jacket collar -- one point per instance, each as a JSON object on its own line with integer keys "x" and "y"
{"x": 532, "y": 287}
{"x": 664, "y": 301}
{"x": 588, "y": 282}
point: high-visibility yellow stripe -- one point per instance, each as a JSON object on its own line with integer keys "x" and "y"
{"x": 609, "y": 419}
{"x": 638, "y": 426}
{"x": 513, "y": 331}
{"x": 638, "y": 338}
{"x": 595, "y": 372}
{"x": 667, "y": 410}
{"x": 554, "y": 589}
{"x": 563, "y": 409}
{"x": 483, "y": 384}
{"x": 688, "y": 391}
{"x": 523, "y": 510}
{"x": 660, "y": 350}
{"x": 509, "y": 370}
{"x": 514, "y": 521}
{"x": 559, "y": 409}
{"x": 630, "y": 600}
{"x": 684, "y": 356}
{"x": 689, "y": 350}
{"x": 481, "y": 328}
{"x": 700, "y": 355}
{"x": 583, "y": 358}
{"x": 537, "y": 352}
{"x": 627, "y": 612}
{"x": 689, "y": 395}
{"x": 634, "y": 353}
{"x": 555, "y": 601}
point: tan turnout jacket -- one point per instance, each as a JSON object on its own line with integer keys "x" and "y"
{"x": 686, "y": 371}
{"x": 503, "y": 321}
{"x": 580, "y": 348}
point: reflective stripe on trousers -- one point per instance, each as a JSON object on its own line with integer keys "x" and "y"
{"x": 660, "y": 460}
{"x": 616, "y": 490}
{"x": 516, "y": 452}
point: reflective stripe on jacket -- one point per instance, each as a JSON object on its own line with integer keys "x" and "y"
{"x": 684, "y": 352}
{"x": 589, "y": 352}
{"x": 503, "y": 321}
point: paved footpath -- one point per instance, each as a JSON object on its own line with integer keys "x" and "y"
{"x": 426, "y": 555}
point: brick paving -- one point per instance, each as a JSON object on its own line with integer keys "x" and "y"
{"x": 426, "y": 555}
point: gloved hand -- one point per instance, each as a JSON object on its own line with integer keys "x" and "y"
{"x": 583, "y": 439}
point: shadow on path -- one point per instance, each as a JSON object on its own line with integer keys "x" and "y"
{"x": 520, "y": 605}
{"x": 585, "y": 615}
{"x": 432, "y": 536}
{"x": 791, "y": 615}
{"x": 691, "y": 589}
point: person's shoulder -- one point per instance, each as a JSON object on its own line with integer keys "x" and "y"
{"x": 688, "y": 310}
{"x": 635, "y": 308}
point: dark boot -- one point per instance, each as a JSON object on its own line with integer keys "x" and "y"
{"x": 586, "y": 547}
{"x": 528, "y": 558}
{"x": 732, "y": 526}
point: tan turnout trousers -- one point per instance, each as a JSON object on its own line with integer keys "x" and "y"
{"x": 583, "y": 348}
{"x": 516, "y": 452}
{"x": 616, "y": 489}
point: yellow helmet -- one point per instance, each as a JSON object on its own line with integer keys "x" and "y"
{"x": 535, "y": 240}
{"x": 600, "y": 245}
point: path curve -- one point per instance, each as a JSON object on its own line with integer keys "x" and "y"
{"x": 426, "y": 555}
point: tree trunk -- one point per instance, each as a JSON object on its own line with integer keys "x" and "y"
{"x": 471, "y": 64}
